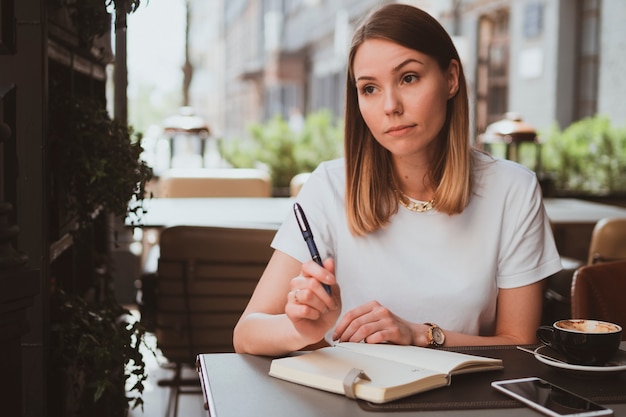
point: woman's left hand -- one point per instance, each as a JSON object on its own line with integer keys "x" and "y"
{"x": 373, "y": 323}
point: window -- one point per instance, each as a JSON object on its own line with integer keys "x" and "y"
{"x": 493, "y": 68}
{"x": 588, "y": 58}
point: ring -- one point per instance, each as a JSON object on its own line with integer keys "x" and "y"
{"x": 295, "y": 296}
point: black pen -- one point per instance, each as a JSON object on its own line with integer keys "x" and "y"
{"x": 307, "y": 234}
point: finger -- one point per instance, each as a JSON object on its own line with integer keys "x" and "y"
{"x": 298, "y": 282}
{"x": 347, "y": 325}
{"x": 378, "y": 337}
{"x": 354, "y": 330}
{"x": 329, "y": 265}
{"x": 325, "y": 275}
{"x": 316, "y": 276}
{"x": 364, "y": 331}
{"x": 307, "y": 303}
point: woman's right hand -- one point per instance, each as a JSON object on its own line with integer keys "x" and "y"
{"x": 309, "y": 307}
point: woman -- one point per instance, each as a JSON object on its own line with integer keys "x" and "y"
{"x": 415, "y": 226}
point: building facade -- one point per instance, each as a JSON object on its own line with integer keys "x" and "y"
{"x": 551, "y": 61}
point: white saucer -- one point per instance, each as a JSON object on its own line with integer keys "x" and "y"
{"x": 617, "y": 363}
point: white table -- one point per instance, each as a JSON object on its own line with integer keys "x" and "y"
{"x": 228, "y": 212}
{"x": 271, "y": 212}
{"x": 572, "y": 219}
{"x": 564, "y": 211}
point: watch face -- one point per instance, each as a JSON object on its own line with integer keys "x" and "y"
{"x": 438, "y": 336}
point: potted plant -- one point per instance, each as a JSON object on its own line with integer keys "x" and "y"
{"x": 586, "y": 159}
{"x": 97, "y": 169}
{"x": 283, "y": 151}
{"x": 92, "y": 18}
{"x": 96, "y": 350}
{"x": 96, "y": 161}
{"x": 96, "y": 172}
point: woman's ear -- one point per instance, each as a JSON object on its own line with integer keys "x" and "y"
{"x": 453, "y": 78}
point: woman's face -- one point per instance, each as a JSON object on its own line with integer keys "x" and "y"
{"x": 402, "y": 96}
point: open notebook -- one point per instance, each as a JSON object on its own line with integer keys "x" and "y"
{"x": 378, "y": 372}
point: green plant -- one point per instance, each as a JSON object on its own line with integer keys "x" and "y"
{"x": 589, "y": 156}
{"x": 96, "y": 345}
{"x": 285, "y": 152}
{"x": 97, "y": 160}
{"x": 92, "y": 18}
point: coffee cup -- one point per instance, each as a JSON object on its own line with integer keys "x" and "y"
{"x": 582, "y": 341}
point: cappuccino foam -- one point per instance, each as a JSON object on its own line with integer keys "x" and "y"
{"x": 587, "y": 326}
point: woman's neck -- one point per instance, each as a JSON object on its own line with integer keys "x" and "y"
{"x": 414, "y": 180}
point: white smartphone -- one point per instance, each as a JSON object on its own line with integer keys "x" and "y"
{"x": 549, "y": 399}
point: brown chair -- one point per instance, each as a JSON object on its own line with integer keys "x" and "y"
{"x": 608, "y": 240}
{"x": 608, "y": 243}
{"x": 220, "y": 182}
{"x": 598, "y": 292}
{"x": 206, "y": 182}
{"x": 205, "y": 278}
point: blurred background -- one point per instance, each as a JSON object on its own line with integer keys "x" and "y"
{"x": 237, "y": 63}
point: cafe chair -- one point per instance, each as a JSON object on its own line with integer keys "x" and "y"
{"x": 608, "y": 240}
{"x": 205, "y": 278}
{"x": 598, "y": 293}
{"x": 198, "y": 183}
{"x": 215, "y": 182}
{"x": 608, "y": 243}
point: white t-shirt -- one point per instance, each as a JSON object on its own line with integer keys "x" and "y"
{"x": 430, "y": 266}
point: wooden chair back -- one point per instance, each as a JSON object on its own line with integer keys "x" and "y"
{"x": 221, "y": 182}
{"x": 608, "y": 240}
{"x": 599, "y": 292}
{"x": 205, "y": 278}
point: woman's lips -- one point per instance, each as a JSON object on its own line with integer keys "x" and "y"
{"x": 399, "y": 130}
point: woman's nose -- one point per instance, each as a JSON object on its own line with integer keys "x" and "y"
{"x": 393, "y": 103}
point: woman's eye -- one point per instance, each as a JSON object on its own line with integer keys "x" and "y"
{"x": 368, "y": 89}
{"x": 410, "y": 78}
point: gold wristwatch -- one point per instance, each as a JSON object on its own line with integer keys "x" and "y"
{"x": 435, "y": 336}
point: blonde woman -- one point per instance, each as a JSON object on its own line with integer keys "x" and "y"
{"x": 425, "y": 240}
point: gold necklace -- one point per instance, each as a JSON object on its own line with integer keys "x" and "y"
{"x": 416, "y": 206}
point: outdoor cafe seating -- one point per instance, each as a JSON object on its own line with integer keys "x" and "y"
{"x": 598, "y": 292}
{"x": 204, "y": 279}
{"x": 608, "y": 243}
{"x": 215, "y": 182}
{"x": 199, "y": 183}
{"x": 199, "y": 258}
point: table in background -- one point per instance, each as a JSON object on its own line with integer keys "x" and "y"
{"x": 236, "y": 212}
{"x": 254, "y": 212}
{"x": 212, "y": 211}
{"x": 572, "y": 211}
{"x": 572, "y": 219}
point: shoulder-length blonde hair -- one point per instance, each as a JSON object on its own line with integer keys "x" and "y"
{"x": 371, "y": 181}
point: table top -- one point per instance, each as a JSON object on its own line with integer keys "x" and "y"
{"x": 563, "y": 211}
{"x": 252, "y": 212}
{"x": 239, "y": 385}
{"x": 271, "y": 212}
